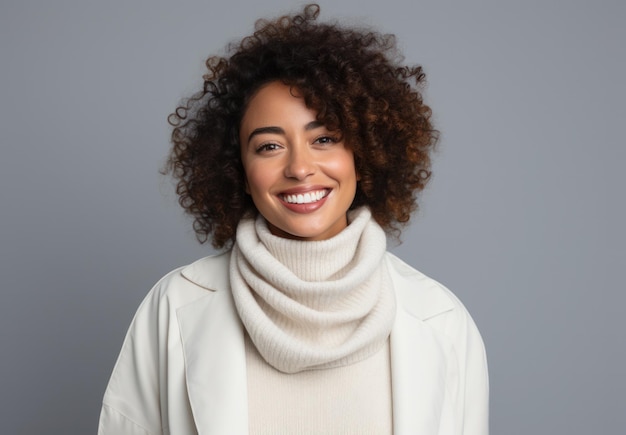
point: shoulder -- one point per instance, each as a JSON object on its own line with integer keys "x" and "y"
{"x": 438, "y": 309}
{"x": 154, "y": 342}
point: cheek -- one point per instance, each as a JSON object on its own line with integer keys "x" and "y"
{"x": 343, "y": 167}
{"x": 258, "y": 179}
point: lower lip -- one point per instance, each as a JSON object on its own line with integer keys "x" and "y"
{"x": 304, "y": 208}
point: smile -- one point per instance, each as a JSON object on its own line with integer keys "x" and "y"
{"x": 305, "y": 198}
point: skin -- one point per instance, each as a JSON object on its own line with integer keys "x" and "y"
{"x": 289, "y": 157}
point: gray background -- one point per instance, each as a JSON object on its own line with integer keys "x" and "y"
{"x": 524, "y": 219}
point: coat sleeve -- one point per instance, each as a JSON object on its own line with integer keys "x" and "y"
{"x": 131, "y": 402}
{"x": 475, "y": 386}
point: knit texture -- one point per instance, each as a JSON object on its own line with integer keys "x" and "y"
{"x": 347, "y": 400}
{"x": 314, "y": 304}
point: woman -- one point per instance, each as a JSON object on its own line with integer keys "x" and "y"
{"x": 303, "y": 147}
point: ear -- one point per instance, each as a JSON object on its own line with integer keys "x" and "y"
{"x": 245, "y": 181}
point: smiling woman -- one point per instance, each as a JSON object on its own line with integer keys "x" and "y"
{"x": 304, "y": 146}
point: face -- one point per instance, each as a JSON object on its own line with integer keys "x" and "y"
{"x": 300, "y": 175}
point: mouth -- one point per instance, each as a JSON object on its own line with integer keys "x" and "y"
{"x": 305, "y": 198}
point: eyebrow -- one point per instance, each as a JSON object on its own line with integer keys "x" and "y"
{"x": 278, "y": 130}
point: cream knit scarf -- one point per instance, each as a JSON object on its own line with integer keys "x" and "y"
{"x": 313, "y": 305}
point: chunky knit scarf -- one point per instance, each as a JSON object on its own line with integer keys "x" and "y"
{"x": 317, "y": 304}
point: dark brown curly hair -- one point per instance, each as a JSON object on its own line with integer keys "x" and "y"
{"x": 351, "y": 77}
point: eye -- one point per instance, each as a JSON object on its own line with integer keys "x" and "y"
{"x": 267, "y": 147}
{"x": 326, "y": 140}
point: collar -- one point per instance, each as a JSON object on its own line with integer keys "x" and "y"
{"x": 421, "y": 296}
{"x": 210, "y": 273}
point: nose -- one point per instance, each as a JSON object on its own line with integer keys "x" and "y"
{"x": 300, "y": 163}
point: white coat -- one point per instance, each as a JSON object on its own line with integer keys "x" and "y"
{"x": 182, "y": 367}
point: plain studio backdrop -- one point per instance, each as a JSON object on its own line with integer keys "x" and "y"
{"x": 524, "y": 218}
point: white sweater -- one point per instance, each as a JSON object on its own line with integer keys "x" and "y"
{"x": 318, "y": 317}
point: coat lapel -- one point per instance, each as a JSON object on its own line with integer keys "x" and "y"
{"x": 417, "y": 377}
{"x": 215, "y": 361}
{"x": 418, "y": 359}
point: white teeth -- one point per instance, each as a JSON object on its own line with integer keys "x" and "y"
{"x": 305, "y": 198}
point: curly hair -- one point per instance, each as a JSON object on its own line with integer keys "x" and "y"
{"x": 351, "y": 78}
